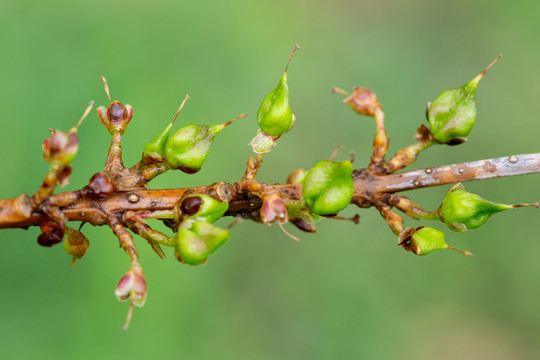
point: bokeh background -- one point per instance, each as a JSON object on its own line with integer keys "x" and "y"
{"x": 347, "y": 291}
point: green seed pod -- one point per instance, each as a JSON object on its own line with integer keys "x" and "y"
{"x": 462, "y": 210}
{"x": 195, "y": 244}
{"x": 275, "y": 116}
{"x": 155, "y": 149}
{"x": 189, "y": 146}
{"x": 424, "y": 240}
{"x": 202, "y": 208}
{"x": 328, "y": 187}
{"x": 453, "y": 114}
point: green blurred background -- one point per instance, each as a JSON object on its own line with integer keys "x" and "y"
{"x": 347, "y": 291}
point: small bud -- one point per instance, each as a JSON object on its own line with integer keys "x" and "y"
{"x": 453, "y": 114}
{"x": 328, "y": 187}
{"x": 155, "y": 149}
{"x": 296, "y": 177}
{"x": 132, "y": 285}
{"x": 51, "y": 233}
{"x": 195, "y": 244}
{"x": 263, "y": 143}
{"x": 363, "y": 101}
{"x": 273, "y": 209}
{"x": 76, "y": 243}
{"x": 275, "y": 116}
{"x": 424, "y": 240}
{"x": 61, "y": 148}
{"x": 462, "y": 210}
{"x": 201, "y": 208}
{"x": 189, "y": 146}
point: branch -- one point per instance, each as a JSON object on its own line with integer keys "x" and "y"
{"x": 16, "y": 212}
{"x": 448, "y": 174}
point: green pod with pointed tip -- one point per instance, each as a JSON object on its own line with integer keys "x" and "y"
{"x": 328, "y": 187}
{"x": 195, "y": 244}
{"x": 462, "y": 210}
{"x": 202, "y": 208}
{"x": 275, "y": 116}
{"x": 189, "y": 146}
{"x": 426, "y": 240}
{"x": 156, "y": 148}
{"x": 452, "y": 115}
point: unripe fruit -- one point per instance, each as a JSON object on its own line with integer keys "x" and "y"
{"x": 328, "y": 187}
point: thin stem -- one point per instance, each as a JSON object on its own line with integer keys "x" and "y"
{"x": 380, "y": 143}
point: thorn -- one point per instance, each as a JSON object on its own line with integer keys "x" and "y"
{"x": 233, "y": 120}
{"x": 466, "y": 253}
{"x": 296, "y": 47}
{"x": 181, "y": 107}
{"x": 337, "y": 90}
{"x": 288, "y": 233}
{"x": 490, "y": 65}
{"x": 85, "y": 114}
{"x": 523, "y": 205}
{"x": 334, "y": 153}
{"x": 106, "y": 88}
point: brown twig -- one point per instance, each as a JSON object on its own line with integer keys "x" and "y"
{"x": 18, "y": 212}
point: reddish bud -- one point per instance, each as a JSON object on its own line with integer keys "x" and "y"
{"x": 100, "y": 186}
{"x": 273, "y": 209}
{"x": 115, "y": 117}
{"x": 51, "y": 233}
{"x": 363, "y": 101}
{"x": 133, "y": 285}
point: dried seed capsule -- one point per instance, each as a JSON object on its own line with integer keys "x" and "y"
{"x": 363, "y": 101}
{"x": 462, "y": 210}
{"x": 202, "y": 208}
{"x": 453, "y": 113}
{"x": 189, "y": 146}
{"x": 328, "y": 187}
{"x": 275, "y": 116}
{"x": 263, "y": 143}
{"x": 196, "y": 243}
{"x": 76, "y": 243}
